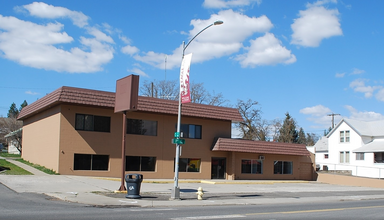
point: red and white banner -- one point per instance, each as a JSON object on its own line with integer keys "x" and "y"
{"x": 185, "y": 92}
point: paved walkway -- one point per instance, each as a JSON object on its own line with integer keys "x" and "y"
{"x": 26, "y": 167}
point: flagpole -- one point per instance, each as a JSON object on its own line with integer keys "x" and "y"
{"x": 175, "y": 195}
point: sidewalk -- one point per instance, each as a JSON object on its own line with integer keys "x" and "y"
{"x": 98, "y": 191}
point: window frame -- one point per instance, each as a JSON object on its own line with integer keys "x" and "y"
{"x": 282, "y": 169}
{"x": 345, "y": 136}
{"x": 185, "y": 167}
{"x": 92, "y": 123}
{"x": 360, "y": 156}
{"x": 150, "y": 125}
{"x": 139, "y": 166}
{"x": 251, "y": 166}
{"x": 92, "y": 160}
{"x": 187, "y": 132}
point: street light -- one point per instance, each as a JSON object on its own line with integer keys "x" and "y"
{"x": 176, "y": 189}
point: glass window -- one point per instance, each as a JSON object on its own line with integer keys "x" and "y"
{"x": 252, "y": 166}
{"x": 341, "y": 136}
{"x": 189, "y": 165}
{"x": 359, "y": 156}
{"x": 90, "y": 162}
{"x": 283, "y": 167}
{"x": 92, "y": 123}
{"x": 347, "y": 156}
{"x": 142, "y": 127}
{"x": 190, "y": 131}
{"x": 326, "y": 156}
{"x": 341, "y": 156}
{"x": 137, "y": 163}
{"x": 379, "y": 157}
{"x": 346, "y": 136}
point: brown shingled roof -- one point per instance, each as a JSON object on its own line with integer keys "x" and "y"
{"x": 261, "y": 147}
{"x": 107, "y": 99}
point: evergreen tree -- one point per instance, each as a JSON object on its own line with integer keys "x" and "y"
{"x": 23, "y": 105}
{"x": 288, "y": 132}
{"x": 13, "y": 112}
{"x": 301, "y": 137}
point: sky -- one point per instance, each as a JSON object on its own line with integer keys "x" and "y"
{"x": 307, "y": 58}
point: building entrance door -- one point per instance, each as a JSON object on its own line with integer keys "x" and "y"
{"x": 218, "y": 168}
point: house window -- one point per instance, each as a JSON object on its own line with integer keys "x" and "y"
{"x": 191, "y": 131}
{"x": 189, "y": 164}
{"x": 282, "y": 167}
{"x": 141, "y": 127}
{"x": 344, "y": 156}
{"x": 344, "y": 136}
{"x": 326, "y": 156}
{"x": 136, "y": 163}
{"x": 359, "y": 156}
{"x": 379, "y": 157}
{"x": 92, "y": 123}
{"x": 90, "y": 162}
{"x": 252, "y": 166}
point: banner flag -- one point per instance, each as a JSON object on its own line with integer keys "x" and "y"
{"x": 185, "y": 92}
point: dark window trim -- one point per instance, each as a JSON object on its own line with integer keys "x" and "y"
{"x": 97, "y": 127}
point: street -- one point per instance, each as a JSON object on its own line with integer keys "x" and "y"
{"x": 38, "y": 206}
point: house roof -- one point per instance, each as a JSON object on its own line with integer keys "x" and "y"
{"x": 363, "y": 128}
{"x": 79, "y": 96}
{"x": 374, "y": 146}
{"x": 321, "y": 144}
{"x": 261, "y": 147}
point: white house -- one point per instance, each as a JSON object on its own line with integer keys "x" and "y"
{"x": 353, "y": 145}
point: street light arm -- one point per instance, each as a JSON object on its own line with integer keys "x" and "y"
{"x": 215, "y": 23}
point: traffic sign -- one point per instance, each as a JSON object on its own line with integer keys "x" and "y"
{"x": 178, "y": 141}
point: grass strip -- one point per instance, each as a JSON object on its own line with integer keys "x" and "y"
{"x": 7, "y": 168}
{"x": 41, "y": 168}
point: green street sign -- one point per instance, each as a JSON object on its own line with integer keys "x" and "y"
{"x": 178, "y": 141}
{"x": 177, "y": 134}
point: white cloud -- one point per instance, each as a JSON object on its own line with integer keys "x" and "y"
{"x": 29, "y": 92}
{"x": 266, "y": 50}
{"x": 42, "y": 45}
{"x": 229, "y": 3}
{"x": 315, "y": 24}
{"x": 130, "y": 50}
{"x": 318, "y": 110}
{"x": 357, "y": 71}
{"x": 42, "y": 10}
{"x": 319, "y": 115}
{"x": 380, "y": 95}
{"x": 215, "y": 42}
{"x": 340, "y": 75}
{"x": 138, "y": 72}
{"x": 358, "y": 85}
{"x": 363, "y": 116}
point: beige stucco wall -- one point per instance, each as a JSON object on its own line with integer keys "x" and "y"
{"x": 160, "y": 146}
{"x": 41, "y": 138}
{"x": 53, "y": 132}
{"x": 300, "y": 164}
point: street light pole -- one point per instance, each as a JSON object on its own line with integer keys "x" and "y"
{"x": 176, "y": 190}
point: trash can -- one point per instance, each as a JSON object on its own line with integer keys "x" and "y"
{"x": 133, "y": 185}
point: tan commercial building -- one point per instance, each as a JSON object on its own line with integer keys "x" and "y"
{"x": 76, "y": 132}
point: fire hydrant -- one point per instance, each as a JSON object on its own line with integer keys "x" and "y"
{"x": 200, "y": 193}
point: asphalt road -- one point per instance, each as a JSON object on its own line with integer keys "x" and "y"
{"x": 33, "y": 206}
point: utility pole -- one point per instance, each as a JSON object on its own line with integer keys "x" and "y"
{"x": 333, "y": 119}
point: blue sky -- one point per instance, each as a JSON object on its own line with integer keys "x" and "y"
{"x": 308, "y": 58}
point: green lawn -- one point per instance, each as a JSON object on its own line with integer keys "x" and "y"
{"x": 7, "y": 168}
{"x": 3, "y": 154}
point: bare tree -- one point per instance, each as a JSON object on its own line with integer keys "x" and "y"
{"x": 251, "y": 115}
{"x": 160, "y": 89}
{"x": 10, "y": 131}
{"x": 275, "y": 129}
{"x": 170, "y": 90}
